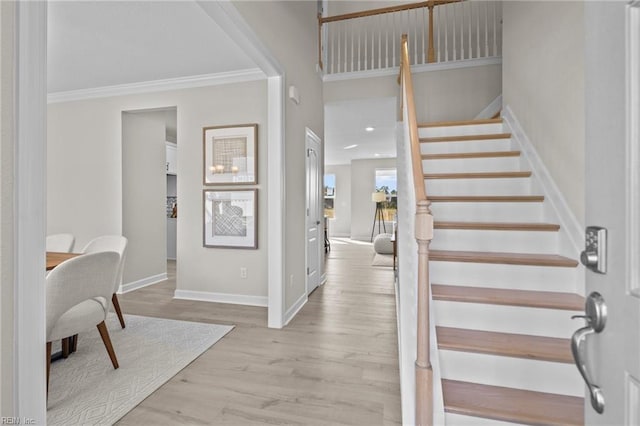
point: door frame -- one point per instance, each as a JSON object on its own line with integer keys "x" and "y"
{"x": 309, "y": 135}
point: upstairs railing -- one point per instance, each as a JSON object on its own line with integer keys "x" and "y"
{"x": 423, "y": 227}
{"x": 440, "y": 30}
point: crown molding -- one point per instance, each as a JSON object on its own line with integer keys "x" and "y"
{"x": 158, "y": 85}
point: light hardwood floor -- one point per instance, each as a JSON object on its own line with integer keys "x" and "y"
{"x": 335, "y": 363}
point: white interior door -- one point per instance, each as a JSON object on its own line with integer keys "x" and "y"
{"x": 314, "y": 205}
{"x": 612, "y": 87}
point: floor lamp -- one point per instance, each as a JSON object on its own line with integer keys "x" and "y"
{"x": 378, "y": 198}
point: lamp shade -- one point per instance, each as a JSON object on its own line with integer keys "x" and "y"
{"x": 378, "y": 197}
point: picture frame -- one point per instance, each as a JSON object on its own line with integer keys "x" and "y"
{"x": 229, "y": 218}
{"x": 230, "y": 155}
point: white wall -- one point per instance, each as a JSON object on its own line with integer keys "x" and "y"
{"x": 288, "y": 30}
{"x": 543, "y": 84}
{"x": 363, "y": 183}
{"x": 85, "y": 170}
{"x": 6, "y": 208}
{"x": 340, "y": 225}
{"x": 454, "y": 94}
{"x": 144, "y": 192}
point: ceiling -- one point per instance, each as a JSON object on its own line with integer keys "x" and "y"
{"x": 95, "y": 44}
{"x": 345, "y": 123}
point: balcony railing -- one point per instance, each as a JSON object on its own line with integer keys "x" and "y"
{"x": 442, "y": 31}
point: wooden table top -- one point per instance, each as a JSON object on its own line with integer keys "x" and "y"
{"x": 56, "y": 258}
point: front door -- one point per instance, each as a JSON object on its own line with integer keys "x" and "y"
{"x": 314, "y": 228}
{"x": 612, "y": 99}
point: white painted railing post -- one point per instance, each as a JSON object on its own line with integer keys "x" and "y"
{"x": 424, "y": 372}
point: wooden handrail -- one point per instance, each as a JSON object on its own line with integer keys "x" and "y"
{"x": 423, "y": 234}
{"x": 383, "y": 10}
{"x": 416, "y": 159}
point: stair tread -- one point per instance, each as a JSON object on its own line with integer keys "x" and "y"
{"x": 486, "y": 198}
{"x": 466, "y": 138}
{"x": 462, "y": 155}
{"x": 540, "y": 348}
{"x": 497, "y": 226}
{"x": 511, "y": 405}
{"x": 478, "y": 175}
{"x": 499, "y": 296}
{"x": 461, "y": 123}
{"x": 532, "y": 259}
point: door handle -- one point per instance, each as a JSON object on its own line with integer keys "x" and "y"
{"x": 596, "y": 318}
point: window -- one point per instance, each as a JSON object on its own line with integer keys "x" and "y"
{"x": 329, "y": 195}
{"x": 387, "y": 182}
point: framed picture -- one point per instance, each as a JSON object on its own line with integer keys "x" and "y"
{"x": 230, "y": 218}
{"x": 230, "y": 154}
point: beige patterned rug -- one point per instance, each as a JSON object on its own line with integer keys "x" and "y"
{"x": 84, "y": 389}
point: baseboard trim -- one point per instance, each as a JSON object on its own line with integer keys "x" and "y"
{"x": 234, "y": 299}
{"x": 145, "y": 282}
{"x": 492, "y": 109}
{"x": 568, "y": 221}
{"x": 295, "y": 308}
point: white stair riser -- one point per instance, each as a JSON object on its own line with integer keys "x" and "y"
{"x": 475, "y": 240}
{"x": 488, "y": 211}
{"x": 497, "y": 186}
{"x": 517, "y": 277}
{"x": 506, "y": 319}
{"x": 460, "y": 165}
{"x": 460, "y": 420}
{"x": 466, "y": 146}
{"x": 520, "y": 373}
{"x": 479, "y": 129}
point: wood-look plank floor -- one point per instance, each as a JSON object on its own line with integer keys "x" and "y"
{"x": 335, "y": 363}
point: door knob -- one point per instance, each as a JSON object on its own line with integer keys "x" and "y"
{"x": 596, "y": 318}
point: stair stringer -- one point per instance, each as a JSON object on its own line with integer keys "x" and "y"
{"x": 556, "y": 207}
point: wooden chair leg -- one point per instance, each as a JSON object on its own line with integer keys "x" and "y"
{"x": 66, "y": 343}
{"x": 104, "y": 333}
{"x": 116, "y": 307}
{"x": 48, "y": 364}
{"x": 73, "y": 340}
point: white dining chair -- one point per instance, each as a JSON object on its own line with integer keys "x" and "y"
{"x": 116, "y": 243}
{"x": 77, "y": 292}
{"x": 61, "y": 243}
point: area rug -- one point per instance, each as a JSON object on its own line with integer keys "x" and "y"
{"x": 84, "y": 389}
{"x": 382, "y": 260}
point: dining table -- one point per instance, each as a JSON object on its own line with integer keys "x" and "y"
{"x": 55, "y": 258}
{"x": 69, "y": 344}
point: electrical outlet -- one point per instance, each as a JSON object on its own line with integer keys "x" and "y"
{"x": 243, "y": 272}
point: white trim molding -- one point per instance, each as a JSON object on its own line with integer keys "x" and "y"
{"x": 492, "y": 109}
{"x": 438, "y": 66}
{"x": 144, "y": 282}
{"x": 189, "y": 82}
{"x": 295, "y": 308}
{"x": 569, "y": 225}
{"x": 29, "y": 395}
{"x": 234, "y": 299}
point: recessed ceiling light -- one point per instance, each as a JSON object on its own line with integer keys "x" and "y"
{"x": 351, "y": 146}
{"x": 376, "y": 155}
{"x": 369, "y": 129}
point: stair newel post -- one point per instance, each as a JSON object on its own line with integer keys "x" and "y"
{"x": 424, "y": 372}
{"x": 431, "y": 54}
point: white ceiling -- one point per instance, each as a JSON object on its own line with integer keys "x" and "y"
{"x": 98, "y": 43}
{"x": 345, "y": 123}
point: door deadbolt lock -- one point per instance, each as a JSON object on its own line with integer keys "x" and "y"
{"x": 594, "y": 256}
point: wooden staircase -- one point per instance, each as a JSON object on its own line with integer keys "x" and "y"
{"x": 503, "y": 315}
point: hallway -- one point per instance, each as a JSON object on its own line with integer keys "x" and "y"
{"x": 335, "y": 363}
